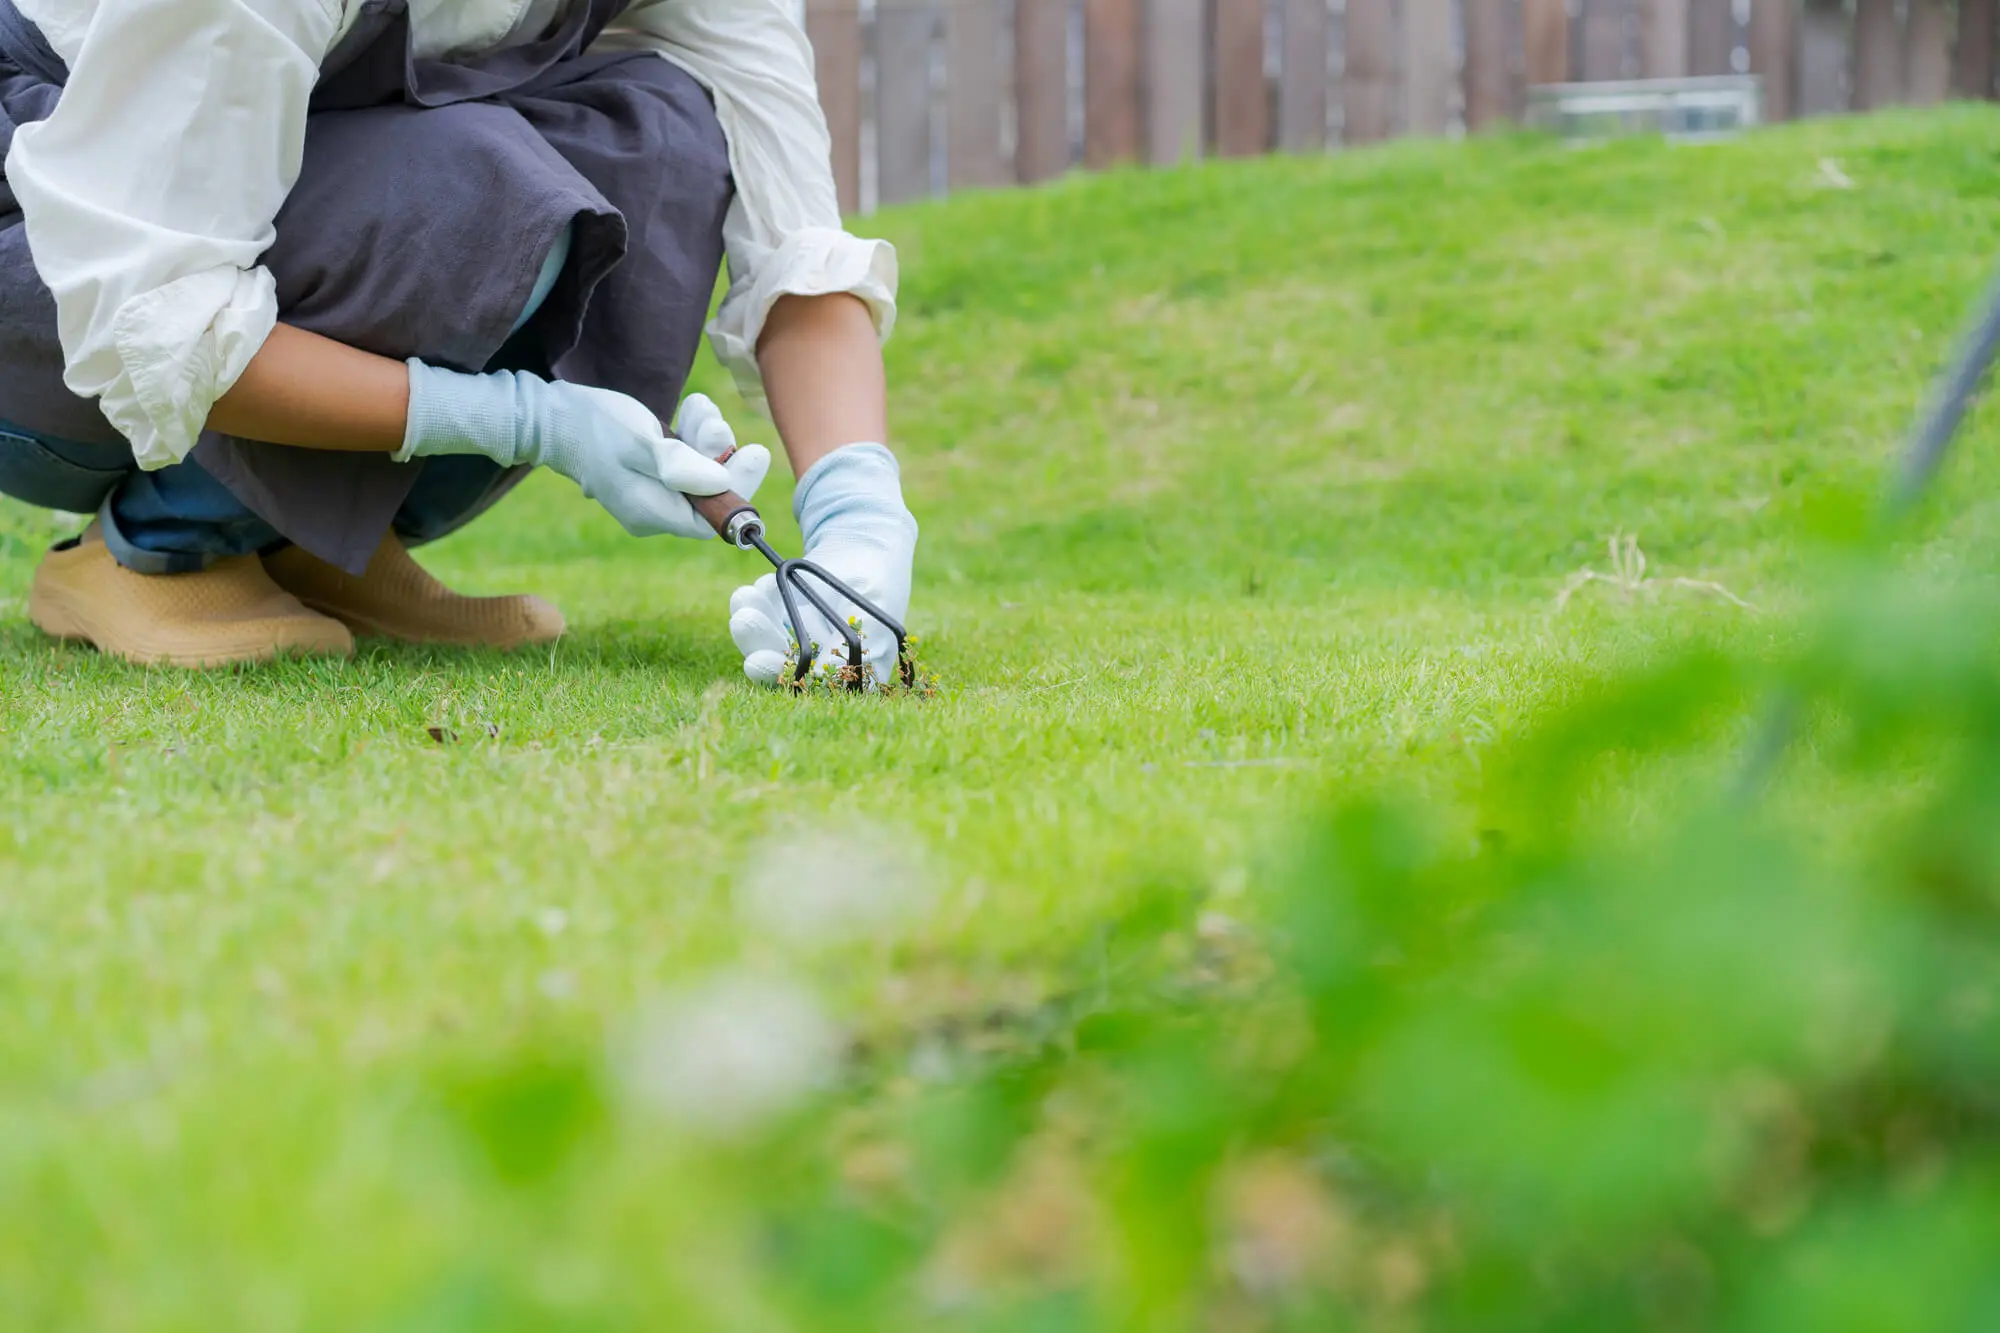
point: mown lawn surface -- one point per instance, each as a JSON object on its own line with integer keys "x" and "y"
{"x": 1239, "y": 485}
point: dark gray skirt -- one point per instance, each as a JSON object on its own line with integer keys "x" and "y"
{"x": 430, "y": 196}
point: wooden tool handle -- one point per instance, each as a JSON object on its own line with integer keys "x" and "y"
{"x": 718, "y": 510}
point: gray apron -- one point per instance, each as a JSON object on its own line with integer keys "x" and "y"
{"x": 431, "y": 191}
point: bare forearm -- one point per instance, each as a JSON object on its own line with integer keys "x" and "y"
{"x": 822, "y": 365}
{"x": 305, "y": 390}
{"x": 821, "y": 359}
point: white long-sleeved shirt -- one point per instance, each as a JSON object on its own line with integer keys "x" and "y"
{"x": 152, "y": 190}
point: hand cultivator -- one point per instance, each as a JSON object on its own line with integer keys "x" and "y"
{"x": 737, "y": 522}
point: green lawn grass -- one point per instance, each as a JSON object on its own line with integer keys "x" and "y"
{"x": 1239, "y": 484}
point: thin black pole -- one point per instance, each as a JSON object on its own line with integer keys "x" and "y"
{"x": 1922, "y": 459}
{"x": 1951, "y": 397}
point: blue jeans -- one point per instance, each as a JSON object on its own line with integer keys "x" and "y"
{"x": 180, "y": 519}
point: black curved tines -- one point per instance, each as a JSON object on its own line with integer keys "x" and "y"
{"x": 793, "y": 585}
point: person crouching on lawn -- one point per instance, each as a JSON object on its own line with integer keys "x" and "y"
{"x": 288, "y": 287}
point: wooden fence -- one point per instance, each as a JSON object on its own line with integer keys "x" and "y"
{"x": 929, "y": 96}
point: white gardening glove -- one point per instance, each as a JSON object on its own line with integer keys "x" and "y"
{"x": 703, "y": 428}
{"x": 850, "y": 507}
{"x": 607, "y": 443}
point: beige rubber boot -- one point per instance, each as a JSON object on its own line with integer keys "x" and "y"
{"x": 397, "y": 599}
{"x": 228, "y": 614}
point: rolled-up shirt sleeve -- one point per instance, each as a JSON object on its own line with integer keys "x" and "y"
{"x": 151, "y": 192}
{"x": 783, "y": 234}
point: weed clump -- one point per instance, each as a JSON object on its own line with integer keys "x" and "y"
{"x": 912, "y": 678}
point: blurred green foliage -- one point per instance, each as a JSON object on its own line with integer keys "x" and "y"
{"x": 1550, "y": 1074}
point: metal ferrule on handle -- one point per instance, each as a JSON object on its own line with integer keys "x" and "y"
{"x": 734, "y": 518}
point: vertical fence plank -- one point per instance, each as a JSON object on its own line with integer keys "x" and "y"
{"x": 1429, "y": 73}
{"x": 1878, "y": 55}
{"x": 1110, "y": 82}
{"x": 834, "y": 28}
{"x": 1711, "y": 36}
{"x": 1176, "y": 77}
{"x": 1546, "y": 33}
{"x": 1823, "y": 58}
{"x": 1972, "y": 50}
{"x": 1603, "y": 39}
{"x": 1242, "y": 98}
{"x": 1302, "y": 77}
{"x": 1771, "y": 36}
{"x": 1972, "y": 60}
{"x": 973, "y": 95}
{"x": 1927, "y": 71}
{"x": 1489, "y": 78}
{"x": 1041, "y": 89}
{"x": 1663, "y": 38}
{"x": 1368, "y": 87}
{"x": 903, "y": 32}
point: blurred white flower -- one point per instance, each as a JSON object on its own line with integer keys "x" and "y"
{"x": 727, "y": 1056}
{"x": 821, "y": 886}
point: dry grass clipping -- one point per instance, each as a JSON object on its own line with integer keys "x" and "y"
{"x": 1629, "y": 579}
